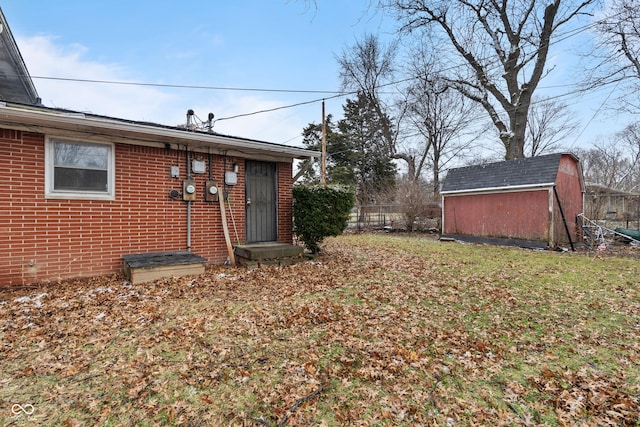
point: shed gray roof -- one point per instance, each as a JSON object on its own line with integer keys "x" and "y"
{"x": 530, "y": 171}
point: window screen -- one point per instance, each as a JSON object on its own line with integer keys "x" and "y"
{"x": 79, "y": 170}
{"x": 81, "y": 167}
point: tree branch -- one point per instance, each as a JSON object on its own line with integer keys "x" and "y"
{"x": 298, "y": 403}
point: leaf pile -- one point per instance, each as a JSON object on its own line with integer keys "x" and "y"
{"x": 381, "y": 330}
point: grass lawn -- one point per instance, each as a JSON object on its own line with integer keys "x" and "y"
{"x": 380, "y": 330}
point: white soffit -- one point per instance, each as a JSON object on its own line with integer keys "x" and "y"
{"x": 136, "y": 133}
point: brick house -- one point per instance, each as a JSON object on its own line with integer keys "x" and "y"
{"x": 82, "y": 190}
{"x": 531, "y": 202}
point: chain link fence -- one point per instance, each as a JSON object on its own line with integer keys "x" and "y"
{"x": 613, "y": 210}
{"x": 610, "y": 210}
{"x": 395, "y": 218}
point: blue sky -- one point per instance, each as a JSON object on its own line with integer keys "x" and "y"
{"x": 270, "y": 44}
{"x": 274, "y": 44}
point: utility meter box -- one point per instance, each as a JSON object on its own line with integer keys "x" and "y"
{"x": 230, "y": 178}
{"x": 211, "y": 191}
{"x": 189, "y": 190}
{"x": 198, "y": 166}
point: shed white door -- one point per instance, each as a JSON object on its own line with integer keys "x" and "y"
{"x": 261, "y": 202}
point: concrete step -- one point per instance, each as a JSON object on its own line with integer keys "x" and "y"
{"x": 263, "y": 251}
{"x": 264, "y": 254}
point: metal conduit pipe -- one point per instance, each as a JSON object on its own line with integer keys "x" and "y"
{"x": 188, "y": 202}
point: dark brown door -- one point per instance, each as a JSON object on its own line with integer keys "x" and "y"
{"x": 261, "y": 202}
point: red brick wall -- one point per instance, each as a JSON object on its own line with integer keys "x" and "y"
{"x": 285, "y": 202}
{"x": 48, "y": 239}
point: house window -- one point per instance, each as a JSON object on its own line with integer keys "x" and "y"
{"x": 79, "y": 170}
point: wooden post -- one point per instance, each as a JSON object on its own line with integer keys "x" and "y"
{"x": 323, "y": 161}
{"x": 225, "y": 228}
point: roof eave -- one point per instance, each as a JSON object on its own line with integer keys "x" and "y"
{"x": 141, "y": 134}
{"x": 528, "y": 187}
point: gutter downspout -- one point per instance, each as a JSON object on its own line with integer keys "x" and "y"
{"x": 188, "y": 201}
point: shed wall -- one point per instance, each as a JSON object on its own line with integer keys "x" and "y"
{"x": 569, "y": 188}
{"x": 509, "y": 215}
{"x": 47, "y": 239}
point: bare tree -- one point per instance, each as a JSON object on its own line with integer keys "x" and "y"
{"x": 502, "y": 47}
{"x": 630, "y": 136}
{"x": 549, "y": 122}
{"x": 615, "y": 162}
{"x": 367, "y": 67}
{"x": 440, "y": 116}
{"x": 617, "y": 52}
{"x": 604, "y": 164}
{"x": 414, "y": 202}
{"x": 612, "y": 171}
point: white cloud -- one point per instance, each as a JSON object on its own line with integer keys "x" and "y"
{"x": 280, "y": 126}
{"x": 49, "y": 61}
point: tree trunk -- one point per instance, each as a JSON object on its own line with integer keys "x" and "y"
{"x": 518, "y": 126}
{"x": 411, "y": 165}
{"x": 515, "y": 145}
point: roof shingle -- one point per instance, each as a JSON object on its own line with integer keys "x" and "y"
{"x": 519, "y": 172}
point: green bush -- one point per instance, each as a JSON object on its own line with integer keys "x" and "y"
{"x": 319, "y": 212}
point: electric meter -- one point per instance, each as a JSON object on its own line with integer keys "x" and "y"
{"x": 211, "y": 191}
{"x": 188, "y": 190}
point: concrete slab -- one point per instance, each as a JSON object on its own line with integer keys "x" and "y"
{"x": 266, "y": 251}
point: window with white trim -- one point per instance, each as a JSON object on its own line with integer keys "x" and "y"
{"x": 79, "y": 170}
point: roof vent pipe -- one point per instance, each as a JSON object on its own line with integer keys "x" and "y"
{"x": 210, "y": 123}
{"x": 190, "y": 124}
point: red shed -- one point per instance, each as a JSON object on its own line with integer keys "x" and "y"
{"x": 531, "y": 202}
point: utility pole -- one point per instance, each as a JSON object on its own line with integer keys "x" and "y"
{"x": 323, "y": 160}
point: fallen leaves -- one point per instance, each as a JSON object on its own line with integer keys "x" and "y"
{"x": 380, "y": 330}
{"x": 589, "y": 393}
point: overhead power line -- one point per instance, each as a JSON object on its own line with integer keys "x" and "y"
{"x": 282, "y": 107}
{"x": 239, "y": 89}
{"x": 334, "y": 94}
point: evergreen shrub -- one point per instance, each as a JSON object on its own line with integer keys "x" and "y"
{"x": 320, "y": 211}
